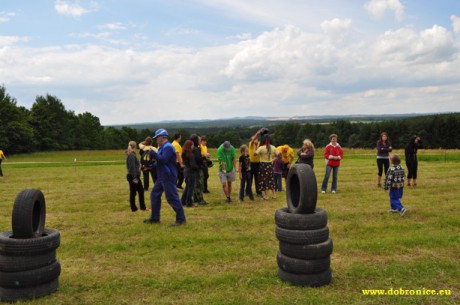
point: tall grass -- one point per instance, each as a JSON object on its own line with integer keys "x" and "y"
{"x": 226, "y": 254}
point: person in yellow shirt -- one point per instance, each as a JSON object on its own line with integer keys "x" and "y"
{"x": 287, "y": 155}
{"x": 2, "y": 156}
{"x": 179, "y": 163}
{"x": 207, "y": 161}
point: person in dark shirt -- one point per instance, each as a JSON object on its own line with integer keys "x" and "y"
{"x": 245, "y": 173}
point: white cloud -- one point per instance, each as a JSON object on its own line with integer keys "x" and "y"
{"x": 455, "y": 24}
{"x": 283, "y": 72}
{"x": 336, "y": 28}
{"x": 115, "y": 26}
{"x": 379, "y": 8}
{"x": 6, "y": 17}
{"x": 11, "y": 40}
{"x": 72, "y": 9}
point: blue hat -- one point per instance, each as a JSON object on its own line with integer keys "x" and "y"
{"x": 160, "y": 133}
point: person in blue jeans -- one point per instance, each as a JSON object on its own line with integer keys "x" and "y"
{"x": 166, "y": 180}
{"x": 245, "y": 173}
{"x": 394, "y": 181}
{"x": 333, "y": 154}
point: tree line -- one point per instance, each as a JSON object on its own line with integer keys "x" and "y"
{"x": 49, "y": 126}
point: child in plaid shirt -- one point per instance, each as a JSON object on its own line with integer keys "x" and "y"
{"x": 395, "y": 182}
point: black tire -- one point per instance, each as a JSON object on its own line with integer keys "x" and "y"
{"x": 312, "y": 280}
{"x": 29, "y": 212}
{"x": 29, "y": 278}
{"x": 312, "y": 251}
{"x": 23, "y": 263}
{"x": 302, "y": 237}
{"x": 11, "y": 246}
{"x": 12, "y": 295}
{"x": 287, "y": 220}
{"x": 301, "y": 189}
{"x": 302, "y": 266}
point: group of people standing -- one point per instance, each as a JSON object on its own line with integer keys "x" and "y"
{"x": 260, "y": 161}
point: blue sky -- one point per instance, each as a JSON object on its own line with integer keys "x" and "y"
{"x": 147, "y": 60}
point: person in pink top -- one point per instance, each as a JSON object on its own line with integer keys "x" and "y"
{"x": 333, "y": 153}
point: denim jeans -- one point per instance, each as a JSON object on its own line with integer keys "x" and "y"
{"x": 246, "y": 186}
{"x": 335, "y": 171}
{"x": 395, "y": 199}
{"x": 278, "y": 181}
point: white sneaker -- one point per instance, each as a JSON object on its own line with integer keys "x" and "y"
{"x": 323, "y": 192}
{"x": 333, "y": 191}
{"x": 393, "y": 211}
{"x": 403, "y": 211}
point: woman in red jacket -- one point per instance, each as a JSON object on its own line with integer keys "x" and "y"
{"x": 333, "y": 154}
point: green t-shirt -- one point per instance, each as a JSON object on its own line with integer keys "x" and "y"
{"x": 226, "y": 156}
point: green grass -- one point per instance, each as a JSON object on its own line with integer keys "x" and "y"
{"x": 226, "y": 254}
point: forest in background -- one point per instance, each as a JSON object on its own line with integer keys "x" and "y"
{"x": 49, "y": 126}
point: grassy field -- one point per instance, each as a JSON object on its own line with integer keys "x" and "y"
{"x": 226, "y": 254}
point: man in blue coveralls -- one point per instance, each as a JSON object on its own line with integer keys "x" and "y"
{"x": 166, "y": 181}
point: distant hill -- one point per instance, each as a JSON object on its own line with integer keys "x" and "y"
{"x": 254, "y": 121}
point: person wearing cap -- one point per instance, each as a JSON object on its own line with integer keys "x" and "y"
{"x": 166, "y": 180}
{"x": 226, "y": 155}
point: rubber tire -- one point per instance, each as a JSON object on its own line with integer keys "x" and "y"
{"x": 291, "y": 221}
{"x": 29, "y": 278}
{"x": 301, "y": 189}
{"x": 29, "y": 213}
{"x": 11, "y": 246}
{"x": 312, "y": 280}
{"x": 313, "y": 251}
{"x": 302, "y": 237}
{"x": 302, "y": 266}
{"x": 23, "y": 263}
{"x": 12, "y": 295}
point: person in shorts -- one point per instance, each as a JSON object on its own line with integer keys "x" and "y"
{"x": 226, "y": 155}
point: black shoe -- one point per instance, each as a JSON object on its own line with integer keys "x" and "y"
{"x": 151, "y": 221}
{"x": 202, "y": 202}
{"x": 251, "y": 198}
{"x": 191, "y": 205}
{"x": 180, "y": 187}
{"x": 259, "y": 195}
{"x": 206, "y": 192}
{"x": 229, "y": 200}
{"x": 178, "y": 223}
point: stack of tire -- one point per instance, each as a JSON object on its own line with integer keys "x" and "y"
{"x": 301, "y": 228}
{"x": 28, "y": 265}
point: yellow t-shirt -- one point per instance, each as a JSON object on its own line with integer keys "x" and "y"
{"x": 264, "y": 155}
{"x": 287, "y": 153}
{"x": 2, "y": 155}
{"x": 252, "y": 148}
{"x": 204, "y": 149}
{"x": 178, "y": 149}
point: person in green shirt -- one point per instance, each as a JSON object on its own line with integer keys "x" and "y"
{"x": 226, "y": 155}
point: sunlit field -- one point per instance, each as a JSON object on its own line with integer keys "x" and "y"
{"x": 226, "y": 253}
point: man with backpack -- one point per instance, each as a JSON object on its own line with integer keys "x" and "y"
{"x": 148, "y": 165}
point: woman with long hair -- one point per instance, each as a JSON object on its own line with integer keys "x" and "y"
{"x": 190, "y": 171}
{"x": 267, "y": 153}
{"x": 384, "y": 148}
{"x": 411, "y": 159}
{"x": 133, "y": 177}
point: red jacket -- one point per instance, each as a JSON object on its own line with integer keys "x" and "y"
{"x": 335, "y": 151}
